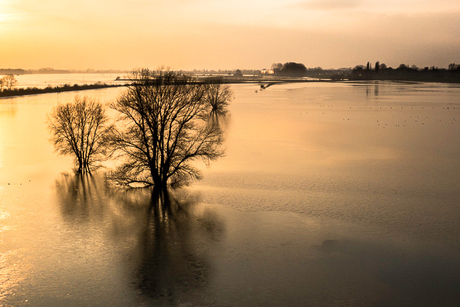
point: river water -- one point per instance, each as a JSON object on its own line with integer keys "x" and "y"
{"x": 53, "y": 80}
{"x": 329, "y": 194}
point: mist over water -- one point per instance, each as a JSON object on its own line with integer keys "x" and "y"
{"x": 329, "y": 194}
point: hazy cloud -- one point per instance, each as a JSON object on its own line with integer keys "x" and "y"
{"x": 406, "y": 7}
{"x": 331, "y": 4}
{"x": 228, "y": 33}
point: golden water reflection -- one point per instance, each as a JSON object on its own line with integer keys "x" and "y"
{"x": 162, "y": 234}
{"x": 13, "y": 270}
{"x": 328, "y": 193}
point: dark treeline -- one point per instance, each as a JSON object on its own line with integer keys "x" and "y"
{"x": 57, "y": 89}
{"x": 367, "y": 72}
{"x": 403, "y": 73}
{"x": 299, "y": 70}
{"x": 13, "y": 71}
{"x": 289, "y": 69}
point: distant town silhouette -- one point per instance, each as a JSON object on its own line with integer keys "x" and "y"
{"x": 287, "y": 72}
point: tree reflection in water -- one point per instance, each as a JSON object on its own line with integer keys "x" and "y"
{"x": 81, "y": 196}
{"x": 161, "y": 236}
{"x": 219, "y": 119}
{"x": 169, "y": 264}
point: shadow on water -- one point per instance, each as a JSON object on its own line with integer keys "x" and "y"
{"x": 430, "y": 278}
{"x": 169, "y": 265}
{"x": 81, "y": 196}
{"x": 221, "y": 120}
{"x": 162, "y": 234}
{"x": 8, "y": 110}
{"x": 372, "y": 90}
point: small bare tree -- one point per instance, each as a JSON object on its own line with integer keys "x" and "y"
{"x": 218, "y": 95}
{"x": 79, "y": 129}
{"x": 8, "y": 81}
{"x": 162, "y": 129}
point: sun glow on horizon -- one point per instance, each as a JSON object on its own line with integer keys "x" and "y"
{"x": 248, "y": 34}
{"x": 5, "y": 12}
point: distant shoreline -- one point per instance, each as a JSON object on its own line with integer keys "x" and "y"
{"x": 57, "y": 89}
{"x": 263, "y": 82}
{"x": 17, "y": 92}
{"x": 20, "y": 71}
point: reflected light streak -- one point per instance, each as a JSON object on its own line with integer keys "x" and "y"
{"x": 12, "y": 272}
{"x": 1, "y": 146}
{"x": 6, "y": 112}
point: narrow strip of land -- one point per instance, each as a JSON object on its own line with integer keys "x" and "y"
{"x": 264, "y": 83}
{"x": 57, "y": 89}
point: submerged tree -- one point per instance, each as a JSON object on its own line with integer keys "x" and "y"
{"x": 218, "y": 95}
{"x": 162, "y": 130}
{"x": 79, "y": 129}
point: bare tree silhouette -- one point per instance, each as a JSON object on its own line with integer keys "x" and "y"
{"x": 162, "y": 129}
{"x": 8, "y": 81}
{"x": 78, "y": 129}
{"x": 218, "y": 95}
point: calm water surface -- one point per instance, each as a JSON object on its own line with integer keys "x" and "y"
{"x": 330, "y": 194}
{"x": 45, "y": 80}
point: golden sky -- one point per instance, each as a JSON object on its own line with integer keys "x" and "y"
{"x": 227, "y": 34}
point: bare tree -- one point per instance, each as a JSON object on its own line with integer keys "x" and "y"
{"x": 79, "y": 129}
{"x": 218, "y": 95}
{"x": 163, "y": 129}
{"x": 8, "y": 81}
